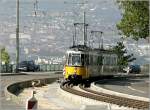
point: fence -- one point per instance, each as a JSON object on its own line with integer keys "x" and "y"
{"x": 51, "y": 67}
{"x": 145, "y": 69}
{"x": 43, "y": 68}
{"x": 6, "y": 68}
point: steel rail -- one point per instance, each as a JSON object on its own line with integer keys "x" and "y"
{"x": 121, "y": 101}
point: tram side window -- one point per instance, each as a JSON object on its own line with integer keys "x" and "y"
{"x": 113, "y": 60}
{"x": 106, "y": 60}
{"x": 91, "y": 59}
{"x": 86, "y": 59}
{"x": 100, "y": 60}
{"x": 110, "y": 60}
{"x": 95, "y": 59}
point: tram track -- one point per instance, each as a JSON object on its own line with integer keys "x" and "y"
{"x": 103, "y": 97}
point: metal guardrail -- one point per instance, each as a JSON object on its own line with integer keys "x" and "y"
{"x": 51, "y": 67}
{"x": 9, "y": 68}
{"x": 6, "y": 68}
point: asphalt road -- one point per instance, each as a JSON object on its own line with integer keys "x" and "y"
{"x": 133, "y": 86}
{"x": 6, "y": 104}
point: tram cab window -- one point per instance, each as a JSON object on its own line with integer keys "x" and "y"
{"x": 76, "y": 60}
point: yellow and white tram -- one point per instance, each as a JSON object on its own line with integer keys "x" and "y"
{"x": 83, "y": 62}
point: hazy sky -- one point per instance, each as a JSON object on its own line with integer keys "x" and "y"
{"x": 51, "y": 31}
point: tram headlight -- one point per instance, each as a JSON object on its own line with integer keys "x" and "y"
{"x": 64, "y": 71}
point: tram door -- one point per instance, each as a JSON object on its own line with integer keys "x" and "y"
{"x": 86, "y": 64}
{"x": 100, "y": 63}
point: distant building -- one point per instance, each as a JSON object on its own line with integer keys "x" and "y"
{"x": 53, "y": 60}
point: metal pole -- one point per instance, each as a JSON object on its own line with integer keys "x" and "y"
{"x": 17, "y": 36}
{"x": 1, "y": 60}
{"x": 102, "y": 40}
{"x": 84, "y": 37}
{"x": 74, "y": 36}
{"x": 102, "y": 44}
{"x": 92, "y": 39}
{"x": 86, "y": 25}
{"x": 100, "y": 37}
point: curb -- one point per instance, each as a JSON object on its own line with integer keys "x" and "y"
{"x": 31, "y": 73}
{"x": 12, "y": 74}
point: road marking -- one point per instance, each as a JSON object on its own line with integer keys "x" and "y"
{"x": 135, "y": 89}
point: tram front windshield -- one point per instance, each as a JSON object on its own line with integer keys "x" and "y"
{"x": 74, "y": 60}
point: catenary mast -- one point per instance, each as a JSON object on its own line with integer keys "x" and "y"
{"x": 17, "y": 37}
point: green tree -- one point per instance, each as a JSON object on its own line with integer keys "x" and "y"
{"x": 135, "y": 18}
{"x": 123, "y": 58}
{"x": 4, "y": 56}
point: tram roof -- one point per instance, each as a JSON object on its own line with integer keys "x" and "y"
{"x": 80, "y": 48}
{"x": 103, "y": 50}
{"x": 75, "y": 52}
{"x": 83, "y": 49}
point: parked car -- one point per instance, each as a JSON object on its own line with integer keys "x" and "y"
{"x": 135, "y": 69}
{"x": 27, "y": 66}
{"x": 132, "y": 69}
